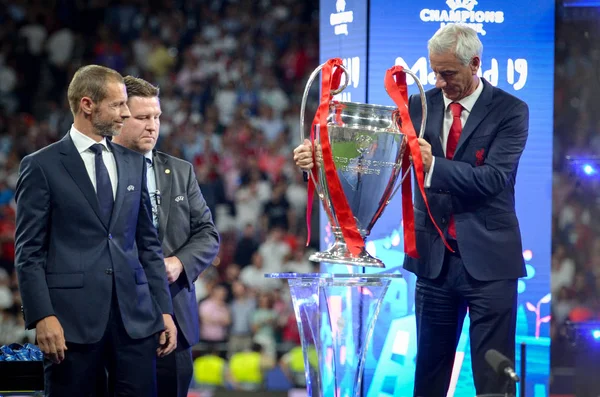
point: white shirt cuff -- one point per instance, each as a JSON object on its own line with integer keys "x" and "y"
{"x": 429, "y": 174}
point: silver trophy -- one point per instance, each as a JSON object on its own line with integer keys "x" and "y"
{"x": 367, "y": 145}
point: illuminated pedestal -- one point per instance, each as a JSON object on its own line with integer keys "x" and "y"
{"x": 336, "y": 315}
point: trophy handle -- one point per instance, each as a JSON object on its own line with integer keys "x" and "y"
{"x": 421, "y": 131}
{"x": 311, "y": 78}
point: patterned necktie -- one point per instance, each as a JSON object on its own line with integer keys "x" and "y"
{"x": 455, "y": 129}
{"x": 153, "y": 194}
{"x": 103, "y": 186}
{"x": 453, "y": 136}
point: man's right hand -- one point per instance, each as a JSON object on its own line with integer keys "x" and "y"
{"x": 303, "y": 155}
{"x": 168, "y": 338}
{"x": 51, "y": 339}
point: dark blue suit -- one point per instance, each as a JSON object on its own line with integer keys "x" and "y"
{"x": 96, "y": 278}
{"x": 477, "y": 187}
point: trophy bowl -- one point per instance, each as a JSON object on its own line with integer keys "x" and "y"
{"x": 367, "y": 147}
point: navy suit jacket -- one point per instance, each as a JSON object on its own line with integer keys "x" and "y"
{"x": 67, "y": 257}
{"x": 477, "y": 187}
{"x": 186, "y": 230}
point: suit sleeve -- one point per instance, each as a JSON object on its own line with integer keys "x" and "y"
{"x": 31, "y": 241}
{"x": 150, "y": 251}
{"x": 203, "y": 245}
{"x": 462, "y": 179}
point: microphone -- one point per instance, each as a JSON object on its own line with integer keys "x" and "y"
{"x": 157, "y": 194}
{"x": 501, "y": 364}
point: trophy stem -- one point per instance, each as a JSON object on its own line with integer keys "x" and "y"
{"x": 339, "y": 254}
{"x": 336, "y": 319}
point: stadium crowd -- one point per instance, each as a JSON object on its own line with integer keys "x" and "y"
{"x": 575, "y": 277}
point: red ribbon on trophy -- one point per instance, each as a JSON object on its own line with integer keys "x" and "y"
{"x": 398, "y": 91}
{"x": 331, "y": 78}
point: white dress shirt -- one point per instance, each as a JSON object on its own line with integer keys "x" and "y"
{"x": 82, "y": 144}
{"x": 467, "y": 103}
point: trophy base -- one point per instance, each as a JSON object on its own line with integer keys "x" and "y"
{"x": 338, "y": 254}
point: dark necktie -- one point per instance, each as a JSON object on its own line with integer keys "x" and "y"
{"x": 103, "y": 186}
{"x": 453, "y": 136}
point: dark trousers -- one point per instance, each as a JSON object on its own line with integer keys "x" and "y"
{"x": 174, "y": 371}
{"x": 130, "y": 364}
{"x": 440, "y": 308}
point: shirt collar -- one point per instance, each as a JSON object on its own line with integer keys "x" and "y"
{"x": 469, "y": 101}
{"x": 83, "y": 142}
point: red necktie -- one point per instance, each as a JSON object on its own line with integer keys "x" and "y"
{"x": 453, "y": 136}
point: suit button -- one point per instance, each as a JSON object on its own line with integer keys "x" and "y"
{"x": 444, "y": 221}
{"x": 108, "y": 271}
{"x": 110, "y": 236}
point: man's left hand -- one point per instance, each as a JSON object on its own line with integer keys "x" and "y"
{"x": 425, "y": 154}
{"x": 174, "y": 268}
{"x": 168, "y": 338}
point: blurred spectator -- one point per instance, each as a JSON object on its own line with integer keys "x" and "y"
{"x": 250, "y": 199}
{"x": 209, "y": 370}
{"x": 246, "y": 369}
{"x": 160, "y": 59}
{"x": 231, "y": 276}
{"x": 247, "y": 246}
{"x": 275, "y": 249}
{"x": 297, "y": 262}
{"x": 265, "y": 322}
{"x": 563, "y": 270}
{"x": 215, "y": 316}
{"x": 277, "y": 212}
{"x": 292, "y": 364}
{"x": 242, "y": 308}
{"x": 253, "y": 276}
{"x": 287, "y": 323}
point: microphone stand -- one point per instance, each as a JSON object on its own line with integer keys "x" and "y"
{"x": 513, "y": 379}
{"x": 511, "y": 386}
{"x": 523, "y": 368}
{"x": 511, "y": 389}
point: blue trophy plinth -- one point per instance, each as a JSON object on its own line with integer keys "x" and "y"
{"x": 336, "y": 315}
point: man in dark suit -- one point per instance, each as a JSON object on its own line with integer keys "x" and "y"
{"x": 473, "y": 141}
{"x": 474, "y": 138}
{"x": 89, "y": 263}
{"x": 185, "y": 228}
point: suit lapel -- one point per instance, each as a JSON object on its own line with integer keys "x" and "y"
{"x": 478, "y": 113}
{"x": 164, "y": 182}
{"x": 71, "y": 160}
{"x": 434, "y": 123}
{"x": 121, "y": 159}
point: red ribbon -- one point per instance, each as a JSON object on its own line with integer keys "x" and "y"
{"x": 398, "y": 91}
{"x": 331, "y": 78}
